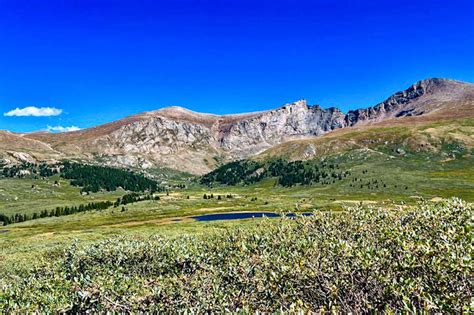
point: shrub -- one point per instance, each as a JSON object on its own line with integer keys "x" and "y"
{"x": 359, "y": 260}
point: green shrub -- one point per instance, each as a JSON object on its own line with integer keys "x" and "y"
{"x": 360, "y": 260}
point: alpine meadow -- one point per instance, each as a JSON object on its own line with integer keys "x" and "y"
{"x": 115, "y": 200}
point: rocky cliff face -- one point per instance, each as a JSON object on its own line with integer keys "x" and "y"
{"x": 177, "y": 138}
{"x": 254, "y": 134}
{"x": 423, "y": 97}
{"x": 198, "y": 142}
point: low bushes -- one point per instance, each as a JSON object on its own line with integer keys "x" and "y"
{"x": 360, "y": 260}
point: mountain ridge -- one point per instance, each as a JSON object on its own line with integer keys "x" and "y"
{"x": 178, "y": 138}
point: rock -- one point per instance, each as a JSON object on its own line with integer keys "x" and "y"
{"x": 400, "y": 151}
{"x": 22, "y": 157}
{"x": 309, "y": 151}
{"x": 165, "y": 140}
{"x": 24, "y": 172}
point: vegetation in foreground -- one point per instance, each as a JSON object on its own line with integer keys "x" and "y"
{"x": 362, "y": 259}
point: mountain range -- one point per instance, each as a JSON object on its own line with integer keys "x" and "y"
{"x": 177, "y": 138}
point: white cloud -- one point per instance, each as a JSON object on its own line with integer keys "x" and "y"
{"x": 34, "y": 111}
{"x": 62, "y": 129}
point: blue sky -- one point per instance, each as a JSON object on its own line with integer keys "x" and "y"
{"x": 97, "y": 61}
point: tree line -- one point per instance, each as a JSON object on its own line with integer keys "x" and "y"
{"x": 287, "y": 173}
{"x": 26, "y": 169}
{"x": 93, "y": 178}
{"x": 68, "y": 210}
{"x": 56, "y": 212}
{"x": 134, "y": 197}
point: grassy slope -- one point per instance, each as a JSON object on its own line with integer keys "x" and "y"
{"x": 28, "y": 195}
{"x": 434, "y": 159}
{"x": 413, "y": 133}
{"x": 19, "y": 195}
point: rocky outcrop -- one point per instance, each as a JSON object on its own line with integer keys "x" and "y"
{"x": 410, "y": 101}
{"x": 297, "y": 120}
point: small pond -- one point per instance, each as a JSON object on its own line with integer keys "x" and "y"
{"x": 241, "y": 215}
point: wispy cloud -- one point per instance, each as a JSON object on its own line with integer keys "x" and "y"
{"x": 62, "y": 129}
{"x": 34, "y": 111}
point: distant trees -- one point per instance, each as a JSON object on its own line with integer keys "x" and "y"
{"x": 219, "y": 197}
{"x": 306, "y": 173}
{"x": 27, "y": 169}
{"x": 371, "y": 184}
{"x": 61, "y": 211}
{"x": 206, "y": 196}
{"x": 134, "y": 197}
{"x": 311, "y": 172}
{"x": 288, "y": 173}
{"x": 94, "y": 178}
{"x": 56, "y": 212}
{"x": 5, "y": 219}
{"x": 91, "y": 178}
{"x": 233, "y": 173}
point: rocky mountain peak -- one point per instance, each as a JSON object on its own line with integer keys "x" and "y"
{"x": 423, "y": 97}
{"x": 431, "y": 84}
{"x": 297, "y": 104}
{"x": 422, "y": 87}
{"x": 176, "y": 110}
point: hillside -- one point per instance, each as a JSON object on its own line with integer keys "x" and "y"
{"x": 414, "y": 159}
{"x": 19, "y": 147}
{"x": 197, "y": 143}
{"x": 417, "y": 135}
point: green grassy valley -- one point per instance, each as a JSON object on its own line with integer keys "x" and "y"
{"x": 377, "y": 194}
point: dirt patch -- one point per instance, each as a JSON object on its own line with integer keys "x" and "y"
{"x": 364, "y": 202}
{"x": 154, "y": 221}
{"x": 215, "y": 209}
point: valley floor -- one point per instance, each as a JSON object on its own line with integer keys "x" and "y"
{"x": 22, "y": 243}
{"x": 401, "y": 181}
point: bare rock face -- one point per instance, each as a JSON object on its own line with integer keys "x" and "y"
{"x": 292, "y": 121}
{"x": 421, "y": 98}
{"x": 199, "y": 141}
{"x": 184, "y": 140}
{"x": 158, "y": 141}
{"x": 22, "y": 156}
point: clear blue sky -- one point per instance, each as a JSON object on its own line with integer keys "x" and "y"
{"x": 101, "y": 60}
